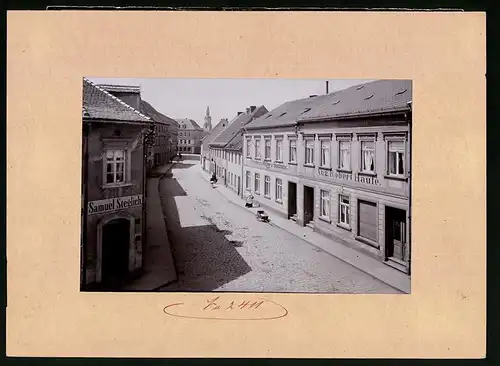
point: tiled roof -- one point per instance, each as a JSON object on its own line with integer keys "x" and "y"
{"x": 100, "y": 105}
{"x": 379, "y": 96}
{"x": 234, "y": 128}
{"x": 189, "y": 123}
{"x": 287, "y": 113}
{"x": 156, "y": 116}
{"x": 218, "y": 128}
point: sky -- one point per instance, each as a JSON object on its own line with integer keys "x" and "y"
{"x": 189, "y": 98}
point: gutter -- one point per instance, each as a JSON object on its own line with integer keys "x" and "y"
{"x": 354, "y": 116}
{"x": 292, "y": 124}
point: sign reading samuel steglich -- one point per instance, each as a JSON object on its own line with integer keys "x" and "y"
{"x": 114, "y": 204}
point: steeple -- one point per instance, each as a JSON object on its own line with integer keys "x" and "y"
{"x": 208, "y": 121}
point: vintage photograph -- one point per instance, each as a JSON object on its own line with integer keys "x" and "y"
{"x": 246, "y": 185}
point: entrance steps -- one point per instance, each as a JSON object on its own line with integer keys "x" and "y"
{"x": 310, "y": 224}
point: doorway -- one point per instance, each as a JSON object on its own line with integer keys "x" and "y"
{"x": 308, "y": 204}
{"x": 115, "y": 252}
{"x": 395, "y": 233}
{"x": 292, "y": 200}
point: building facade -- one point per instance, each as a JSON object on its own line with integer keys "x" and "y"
{"x": 343, "y": 167}
{"x": 114, "y": 140}
{"x": 189, "y": 136}
{"x": 166, "y": 136}
{"x": 206, "y": 154}
{"x": 226, "y": 149}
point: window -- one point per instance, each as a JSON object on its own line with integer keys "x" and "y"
{"x": 267, "y": 186}
{"x": 325, "y": 153}
{"x": 344, "y": 211}
{"x": 249, "y": 155}
{"x": 324, "y": 209}
{"x": 396, "y": 157}
{"x": 368, "y": 156}
{"x": 279, "y": 150}
{"x": 115, "y": 166}
{"x": 309, "y": 153}
{"x": 247, "y": 181}
{"x": 267, "y": 149}
{"x": 257, "y": 183}
{"x": 293, "y": 151}
{"x": 345, "y": 155}
{"x": 279, "y": 189}
{"x": 257, "y": 149}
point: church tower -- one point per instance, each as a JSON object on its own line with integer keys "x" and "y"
{"x": 208, "y": 121}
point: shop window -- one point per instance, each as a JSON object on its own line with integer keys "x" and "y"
{"x": 324, "y": 209}
{"x": 257, "y": 183}
{"x": 367, "y": 221}
{"x": 267, "y": 149}
{"x": 368, "y": 156}
{"x": 396, "y": 157}
{"x": 115, "y": 166}
{"x": 279, "y": 190}
{"x": 279, "y": 150}
{"x": 293, "y": 152}
{"x": 345, "y": 155}
{"x": 309, "y": 152}
{"x": 344, "y": 210}
{"x": 325, "y": 153}
{"x": 267, "y": 186}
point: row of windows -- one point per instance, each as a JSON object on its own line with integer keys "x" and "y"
{"x": 344, "y": 216}
{"x": 230, "y": 156}
{"x": 184, "y": 133}
{"x": 395, "y": 154}
{"x": 278, "y": 193}
{"x": 186, "y": 142}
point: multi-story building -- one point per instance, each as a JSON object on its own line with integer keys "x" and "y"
{"x": 340, "y": 164}
{"x": 113, "y": 187}
{"x": 207, "y": 139}
{"x": 226, "y": 149}
{"x": 189, "y": 136}
{"x": 166, "y": 136}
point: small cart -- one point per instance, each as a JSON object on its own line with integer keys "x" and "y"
{"x": 262, "y": 216}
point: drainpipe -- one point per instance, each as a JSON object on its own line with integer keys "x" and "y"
{"x": 409, "y": 118}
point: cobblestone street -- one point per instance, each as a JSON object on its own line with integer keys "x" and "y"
{"x": 219, "y": 246}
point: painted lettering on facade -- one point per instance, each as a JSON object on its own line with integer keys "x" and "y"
{"x": 114, "y": 204}
{"x": 349, "y": 177}
{"x": 268, "y": 164}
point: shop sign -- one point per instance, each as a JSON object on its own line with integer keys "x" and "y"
{"x": 114, "y": 204}
{"x": 349, "y": 177}
{"x": 268, "y": 165}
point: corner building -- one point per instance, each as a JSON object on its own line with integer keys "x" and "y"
{"x": 113, "y": 188}
{"x": 339, "y": 164}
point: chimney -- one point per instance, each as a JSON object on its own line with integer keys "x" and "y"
{"x": 248, "y": 110}
{"x": 327, "y": 87}
{"x": 252, "y": 108}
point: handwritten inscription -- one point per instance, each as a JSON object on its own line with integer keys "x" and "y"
{"x": 228, "y": 308}
{"x": 349, "y": 177}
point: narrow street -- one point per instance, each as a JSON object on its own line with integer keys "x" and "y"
{"x": 219, "y": 246}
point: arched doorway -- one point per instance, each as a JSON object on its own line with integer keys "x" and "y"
{"x": 115, "y": 252}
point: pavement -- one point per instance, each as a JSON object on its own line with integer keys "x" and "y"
{"x": 360, "y": 260}
{"x": 158, "y": 267}
{"x": 218, "y": 245}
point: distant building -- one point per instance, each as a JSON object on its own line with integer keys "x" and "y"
{"x": 340, "y": 164}
{"x": 226, "y": 149}
{"x": 207, "y": 139}
{"x": 115, "y": 135}
{"x": 166, "y": 136}
{"x": 189, "y": 137}
{"x": 208, "y": 121}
